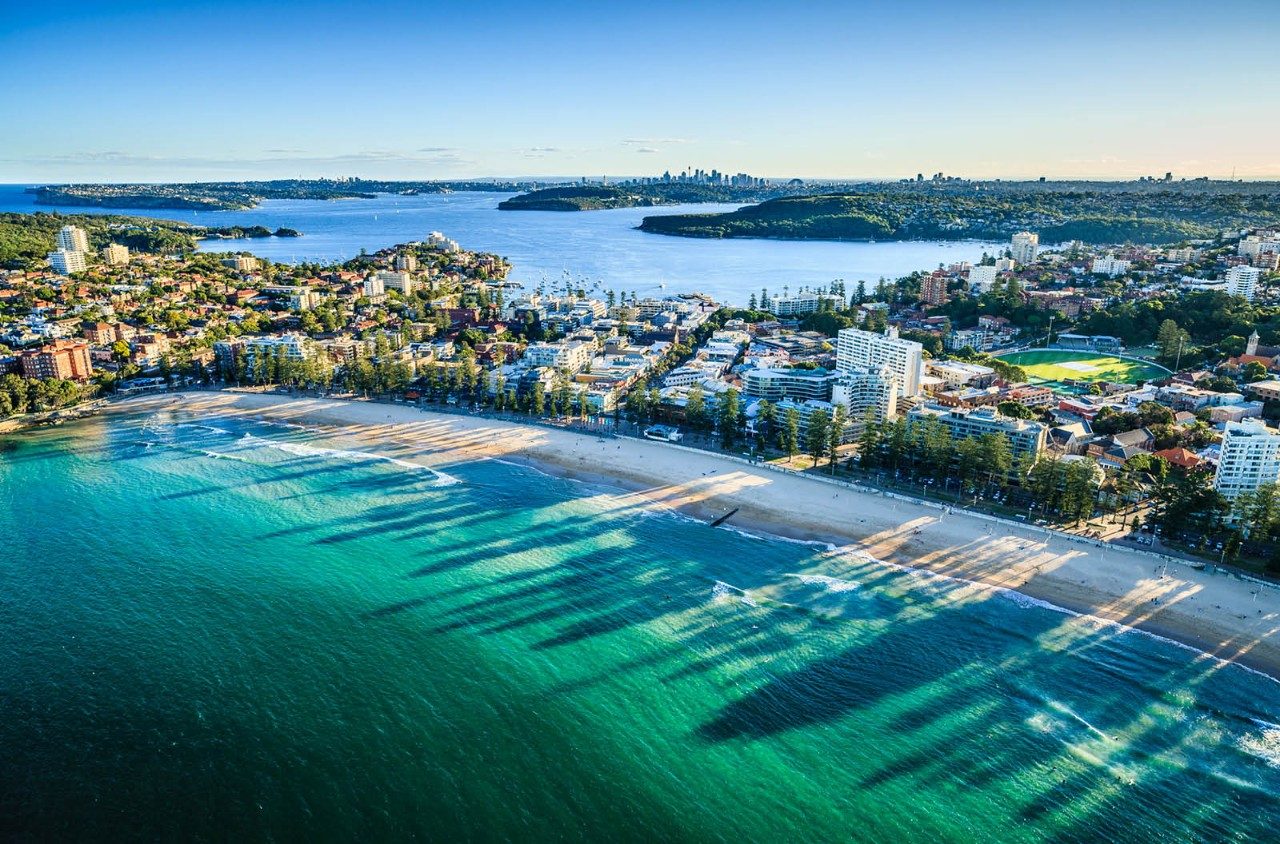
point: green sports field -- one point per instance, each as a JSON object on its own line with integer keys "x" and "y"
{"x": 1049, "y": 367}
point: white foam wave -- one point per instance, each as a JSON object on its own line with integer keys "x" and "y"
{"x": 832, "y": 584}
{"x": 305, "y": 450}
{"x": 1264, "y": 746}
{"x": 728, "y": 590}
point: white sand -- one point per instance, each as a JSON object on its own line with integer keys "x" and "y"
{"x": 1217, "y": 614}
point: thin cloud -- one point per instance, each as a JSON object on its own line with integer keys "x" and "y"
{"x": 649, "y": 142}
{"x": 648, "y": 150}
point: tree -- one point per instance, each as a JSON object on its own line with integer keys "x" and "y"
{"x": 835, "y": 437}
{"x": 695, "y": 409}
{"x": 869, "y": 440}
{"x": 789, "y": 433}
{"x": 816, "y": 434}
{"x": 1016, "y": 410}
{"x": 727, "y": 411}
{"x": 1171, "y": 339}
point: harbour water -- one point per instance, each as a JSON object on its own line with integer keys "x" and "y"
{"x": 228, "y": 629}
{"x": 587, "y": 247}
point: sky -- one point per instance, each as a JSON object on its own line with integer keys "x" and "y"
{"x": 158, "y": 91}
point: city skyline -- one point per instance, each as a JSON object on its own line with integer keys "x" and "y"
{"x": 993, "y": 90}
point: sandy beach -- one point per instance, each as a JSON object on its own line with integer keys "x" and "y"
{"x": 1227, "y": 619}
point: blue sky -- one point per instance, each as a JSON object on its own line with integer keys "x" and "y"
{"x": 157, "y": 91}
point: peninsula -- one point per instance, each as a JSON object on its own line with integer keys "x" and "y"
{"x": 633, "y": 195}
{"x": 25, "y": 238}
{"x": 1090, "y": 212}
{"x": 239, "y": 196}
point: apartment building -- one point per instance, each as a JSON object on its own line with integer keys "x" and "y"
{"x": 857, "y": 349}
{"x": 867, "y": 388}
{"x": 113, "y": 254}
{"x": 1250, "y": 457}
{"x": 1026, "y": 438}
{"x": 799, "y": 384}
{"x": 1023, "y": 247}
{"x": 67, "y": 261}
{"x": 73, "y": 239}
{"x": 1243, "y": 281}
{"x": 65, "y": 359}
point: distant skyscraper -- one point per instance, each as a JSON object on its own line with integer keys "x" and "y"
{"x": 1023, "y": 247}
{"x": 73, "y": 239}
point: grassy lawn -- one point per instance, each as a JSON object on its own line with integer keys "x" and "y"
{"x": 1054, "y": 367}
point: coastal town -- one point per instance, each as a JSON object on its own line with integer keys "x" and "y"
{"x": 1124, "y": 393}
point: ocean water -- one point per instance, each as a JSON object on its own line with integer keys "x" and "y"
{"x": 587, "y": 248}
{"x": 227, "y": 629}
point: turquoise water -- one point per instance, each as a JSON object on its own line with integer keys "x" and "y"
{"x": 601, "y": 246}
{"x": 229, "y": 629}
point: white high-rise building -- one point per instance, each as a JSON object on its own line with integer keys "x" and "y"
{"x": 67, "y": 261}
{"x": 373, "y": 286}
{"x": 857, "y": 349}
{"x": 982, "y": 277}
{"x": 1250, "y": 457}
{"x": 1023, "y": 247}
{"x": 73, "y": 239}
{"x": 867, "y": 388}
{"x": 1242, "y": 281}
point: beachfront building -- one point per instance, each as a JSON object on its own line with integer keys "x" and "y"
{"x": 73, "y": 239}
{"x": 65, "y": 359}
{"x": 798, "y": 384}
{"x": 1250, "y": 457}
{"x": 291, "y": 346}
{"x": 1023, "y": 247}
{"x": 1243, "y": 281}
{"x": 873, "y": 388}
{"x": 1026, "y": 438}
{"x": 115, "y": 255}
{"x": 805, "y": 410}
{"x": 571, "y": 357}
{"x": 857, "y": 349}
{"x": 66, "y": 261}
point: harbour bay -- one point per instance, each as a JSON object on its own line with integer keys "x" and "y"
{"x": 586, "y": 247}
